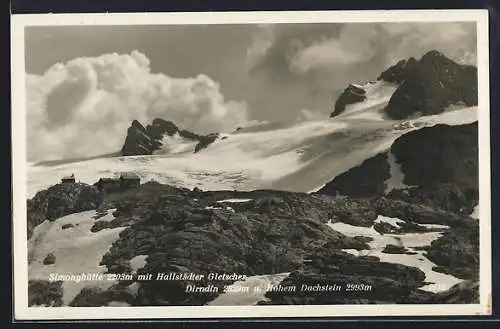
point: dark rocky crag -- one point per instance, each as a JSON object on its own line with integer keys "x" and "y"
{"x": 61, "y": 200}
{"x": 366, "y": 180}
{"x": 352, "y": 94}
{"x": 440, "y": 163}
{"x": 142, "y": 140}
{"x": 43, "y": 292}
{"x": 430, "y": 85}
{"x": 426, "y": 86}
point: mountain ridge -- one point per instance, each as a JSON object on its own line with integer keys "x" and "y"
{"x": 142, "y": 140}
{"x": 426, "y": 87}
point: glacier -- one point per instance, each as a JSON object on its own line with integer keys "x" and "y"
{"x": 297, "y": 157}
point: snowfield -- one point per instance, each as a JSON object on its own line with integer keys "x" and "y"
{"x": 299, "y": 157}
{"x": 77, "y": 250}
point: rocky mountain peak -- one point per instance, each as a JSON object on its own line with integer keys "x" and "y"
{"x": 142, "y": 140}
{"x": 426, "y": 86}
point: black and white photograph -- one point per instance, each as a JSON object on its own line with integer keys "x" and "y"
{"x": 247, "y": 164}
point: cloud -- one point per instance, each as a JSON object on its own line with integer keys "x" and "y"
{"x": 309, "y": 65}
{"x": 308, "y": 115}
{"x": 385, "y": 43}
{"x": 354, "y": 44}
{"x": 84, "y": 107}
{"x": 263, "y": 38}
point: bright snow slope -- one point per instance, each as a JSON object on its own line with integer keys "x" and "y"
{"x": 294, "y": 157}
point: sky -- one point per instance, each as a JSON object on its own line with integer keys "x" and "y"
{"x": 85, "y": 84}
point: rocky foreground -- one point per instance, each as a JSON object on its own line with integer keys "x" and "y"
{"x": 267, "y": 232}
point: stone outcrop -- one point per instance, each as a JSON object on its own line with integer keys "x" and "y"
{"x": 439, "y": 154}
{"x": 430, "y": 85}
{"x": 352, "y": 94}
{"x": 457, "y": 252}
{"x": 61, "y": 200}
{"x": 45, "y": 293}
{"x": 49, "y": 259}
{"x": 439, "y": 164}
{"x": 466, "y": 292}
{"x": 425, "y": 87}
{"x": 142, "y": 140}
{"x": 361, "y": 280}
{"x": 367, "y": 179}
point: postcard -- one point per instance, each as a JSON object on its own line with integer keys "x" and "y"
{"x": 251, "y": 164}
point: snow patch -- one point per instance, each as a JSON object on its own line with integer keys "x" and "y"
{"x": 377, "y": 96}
{"x": 475, "y": 212}
{"x": 389, "y": 220}
{"x": 77, "y": 251}
{"x": 108, "y": 217}
{"x": 438, "y": 226}
{"x": 176, "y": 144}
{"x": 396, "y": 180}
{"x": 220, "y": 208}
{"x": 138, "y": 262}
{"x": 235, "y": 200}
{"x": 436, "y": 281}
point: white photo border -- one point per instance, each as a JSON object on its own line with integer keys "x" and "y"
{"x": 23, "y": 312}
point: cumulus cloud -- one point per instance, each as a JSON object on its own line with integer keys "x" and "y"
{"x": 83, "y": 107}
{"x": 263, "y": 38}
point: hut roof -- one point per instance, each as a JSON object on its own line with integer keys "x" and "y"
{"x": 109, "y": 179}
{"x": 129, "y": 175}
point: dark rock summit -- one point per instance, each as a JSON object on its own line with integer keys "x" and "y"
{"x": 426, "y": 86}
{"x": 430, "y": 85}
{"x": 352, "y": 94}
{"x": 142, "y": 140}
{"x": 138, "y": 141}
{"x": 61, "y": 200}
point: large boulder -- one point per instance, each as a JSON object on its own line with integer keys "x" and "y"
{"x": 61, "y": 200}
{"x": 49, "y": 259}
